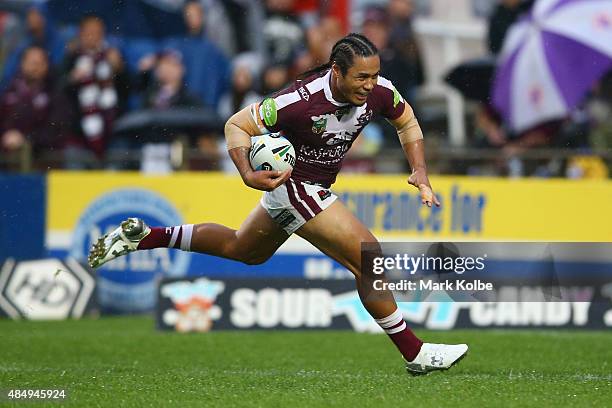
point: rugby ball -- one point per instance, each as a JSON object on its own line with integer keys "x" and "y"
{"x": 272, "y": 152}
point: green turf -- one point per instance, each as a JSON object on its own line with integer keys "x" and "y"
{"x": 125, "y": 362}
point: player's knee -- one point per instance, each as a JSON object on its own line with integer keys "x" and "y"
{"x": 255, "y": 259}
{"x": 369, "y": 248}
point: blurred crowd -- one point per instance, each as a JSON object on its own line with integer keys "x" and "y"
{"x": 75, "y": 89}
{"x": 91, "y": 92}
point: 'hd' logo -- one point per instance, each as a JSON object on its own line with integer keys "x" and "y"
{"x": 45, "y": 289}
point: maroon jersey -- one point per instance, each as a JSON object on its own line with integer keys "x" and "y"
{"x": 320, "y": 128}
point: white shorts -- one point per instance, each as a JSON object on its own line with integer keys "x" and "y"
{"x": 292, "y": 204}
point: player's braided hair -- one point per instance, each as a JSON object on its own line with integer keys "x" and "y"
{"x": 343, "y": 52}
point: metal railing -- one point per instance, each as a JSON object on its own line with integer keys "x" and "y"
{"x": 441, "y": 159}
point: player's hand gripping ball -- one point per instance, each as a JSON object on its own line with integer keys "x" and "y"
{"x": 272, "y": 152}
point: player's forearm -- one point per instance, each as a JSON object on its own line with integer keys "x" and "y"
{"x": 415, "y": 153}
{"x": 238, "y": 145}
{"x": 240, "y": 157}
{"x": 238, "y": 133}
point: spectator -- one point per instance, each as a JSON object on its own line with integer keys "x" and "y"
{"x": 274, "y": 77}
{"x": 207, "y": 70}
{"x": 505, "y": 14}
{"x": 11, "y": 34}
{"x": 400, "y": 62}
{"x": 311, "y": 12}
{"x": 247, "y": 18}
{"x": 282, "y": 31}
{"x": 162, "y": 79}
{"x": 600, "y": 111}
{"x": 39, "y": 33}
{"x": 163, "y": 86}
{"x": 246, "y": 68}
{"x": 208, "y": 19}
{"x": 403, "y": 42}
{"x": 321, "y": 39}
{"x": 30, "y": 110}
{"x": 95, "y": 80}
{"x": 490, "y": 132}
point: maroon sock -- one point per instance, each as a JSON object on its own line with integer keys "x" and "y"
{"x": 159, "y": 237}
{"x": 404, "y": 339}
{"x": 168, "y": 237}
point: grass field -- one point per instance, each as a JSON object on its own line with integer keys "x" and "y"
{"x": 125, "y": 362}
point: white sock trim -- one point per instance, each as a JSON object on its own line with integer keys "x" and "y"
{"x": 186, "y": 238}
{"x": 397, "y": 329}
{"x": 175, "y": 232}
{"x": 391, "y": 320}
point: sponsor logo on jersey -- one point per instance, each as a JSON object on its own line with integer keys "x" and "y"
{"x": 304, "y": 93}
{"x": 324, "y": 194}
{"x": 343, "y": 125}
{"x": 318, "y": 126}
{"x": 324, "y": 155}
{"x": 284, "y": 218}
{"x": 269, "y": 112}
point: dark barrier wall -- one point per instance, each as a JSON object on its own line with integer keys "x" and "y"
{"x": 22, "y": 216}
{"x": 202, "y": 304}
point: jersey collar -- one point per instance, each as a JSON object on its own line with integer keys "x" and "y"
{"x": 327, "y": 90}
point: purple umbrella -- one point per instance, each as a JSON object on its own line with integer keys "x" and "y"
{"x": 551, "y": 59}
